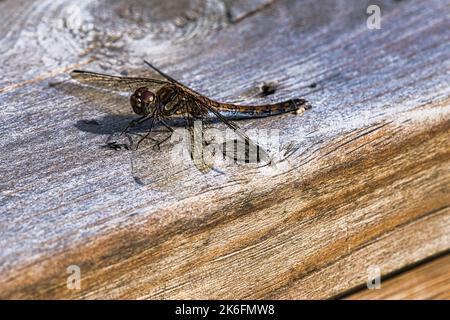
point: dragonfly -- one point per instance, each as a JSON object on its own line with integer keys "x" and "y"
{"x": 159, "y": 100}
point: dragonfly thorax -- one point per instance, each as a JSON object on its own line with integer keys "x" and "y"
{"x": 143, "y": 101}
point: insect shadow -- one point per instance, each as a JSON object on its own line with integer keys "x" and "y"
{"x": 115, "y": 108}
{"x": 114, "y": 124}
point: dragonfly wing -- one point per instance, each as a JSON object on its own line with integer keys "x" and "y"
{"x": 104, "y": 81}
{"x": 248, "y": 146}
{"x": 199, "y": 152}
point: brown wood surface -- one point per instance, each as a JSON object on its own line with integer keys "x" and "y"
{"x": 363, "y": 178}
{"x": 430, "y": 280}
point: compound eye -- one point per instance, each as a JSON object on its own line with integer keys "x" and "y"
{"x": 148, "y": 96}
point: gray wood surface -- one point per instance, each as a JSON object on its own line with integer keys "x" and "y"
{"x": 364, "y": 177}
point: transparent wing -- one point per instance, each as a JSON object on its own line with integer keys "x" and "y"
{"x": 246, "y": 148}
{"x": 202, "y": 156}
{"x": 168, "y": 157}
{"x": 105, "y": 81}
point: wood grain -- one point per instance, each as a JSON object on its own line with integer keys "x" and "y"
{"x": 428, "y": 281}
{"x": 362, "y": 178}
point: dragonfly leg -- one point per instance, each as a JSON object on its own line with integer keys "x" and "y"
{"x": 157, "y": 146}
{"x": 166, "y": 125}
{"x": 135, "y": 122}
{"x": 147, "y": 134}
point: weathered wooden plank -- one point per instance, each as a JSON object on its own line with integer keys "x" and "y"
{"x": 365, "y": 169}
{"x": 428, "y": 281}
{"x": 402, "y": 245}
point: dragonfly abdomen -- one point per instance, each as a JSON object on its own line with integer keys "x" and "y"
{"x": 265, "y": 110}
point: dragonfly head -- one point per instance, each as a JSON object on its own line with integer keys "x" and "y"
{"x": 143, "y": 101}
